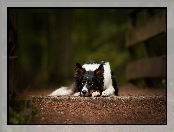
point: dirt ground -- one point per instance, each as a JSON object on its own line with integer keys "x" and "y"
{"x": 133, "y": 106}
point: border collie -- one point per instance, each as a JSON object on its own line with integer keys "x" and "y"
{"x": 91, "y": 79}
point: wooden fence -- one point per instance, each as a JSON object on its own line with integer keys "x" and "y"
{"x": 148, "y": 31}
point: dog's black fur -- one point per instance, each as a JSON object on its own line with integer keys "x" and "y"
{"x": 91, "y": 79}
{"x": 94, "y": 80}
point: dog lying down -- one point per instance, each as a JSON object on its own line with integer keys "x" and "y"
{"x": 91, "y": 79}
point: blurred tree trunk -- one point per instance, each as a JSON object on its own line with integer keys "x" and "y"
{"x": 59, "y": 45}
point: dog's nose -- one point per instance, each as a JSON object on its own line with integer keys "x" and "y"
{"x": 84, "y": 91}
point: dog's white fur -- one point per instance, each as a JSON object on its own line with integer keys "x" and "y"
{"x": 64, "y": 91}
{"x": 61, "y": 91}
{"x": 108, "y": 88}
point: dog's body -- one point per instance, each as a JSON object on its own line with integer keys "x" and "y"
{"x": 91, "y": 79}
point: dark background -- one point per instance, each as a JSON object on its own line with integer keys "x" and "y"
{"x": 51, "y": 41}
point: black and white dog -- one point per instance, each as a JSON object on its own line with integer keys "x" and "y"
{"x": 92, "y": 79}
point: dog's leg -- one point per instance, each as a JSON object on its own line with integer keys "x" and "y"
{"x": 95, "y": 94}
{"x": 108, "y": 92}
{"x": 65, "y": 90}
{"x": 61, "y": 91}
{"x": 76, "y": 94}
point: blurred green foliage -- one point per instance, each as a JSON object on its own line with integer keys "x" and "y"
{"x": 51, "y": 41}
{"x": 100, "y": 36}
{"x": 48, "y": 37}
{"x": 17, "y": 117}
{"x": 22, "y": 111}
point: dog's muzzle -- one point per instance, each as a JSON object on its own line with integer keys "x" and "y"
{"x": 84, "y": 92}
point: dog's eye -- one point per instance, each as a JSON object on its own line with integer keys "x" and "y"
{"x": 83, "y": 82}
{"x": 90, "y": 83}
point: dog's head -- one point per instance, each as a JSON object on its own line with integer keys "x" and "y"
{"x": 88, "y": 82}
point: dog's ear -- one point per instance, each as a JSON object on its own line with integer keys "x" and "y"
{"x": 99, "y": 72}
{"x": 78, "y": 70}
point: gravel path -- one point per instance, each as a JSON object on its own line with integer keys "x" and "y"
{"x": 132, "y": 106}
{"x": 101, "y": 110}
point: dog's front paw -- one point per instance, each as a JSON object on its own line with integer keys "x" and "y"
{"x": 95, "y": 94}
{"x": 108, "y": 92}
{"x": 105, "y": 94}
